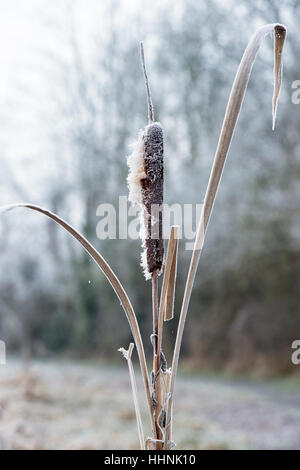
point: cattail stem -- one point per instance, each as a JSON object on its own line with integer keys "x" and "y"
{"x": 155, "y": 309}
{"x": 156, "y": 360}
{"x": 145, "y": 182}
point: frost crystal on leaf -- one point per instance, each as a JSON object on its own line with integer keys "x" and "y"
{"x": 124, "y": 353}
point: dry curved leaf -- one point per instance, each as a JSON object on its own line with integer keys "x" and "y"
{"x": 231, "y": 116}
{"x": 112, "y": 278}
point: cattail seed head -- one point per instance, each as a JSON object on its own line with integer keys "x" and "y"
{"x": 152, "y": 194}
{"x": 145, "y": 181}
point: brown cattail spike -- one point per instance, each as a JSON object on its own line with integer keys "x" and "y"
{"x": 152, "y": 197}
{"x": 145, "y": 181}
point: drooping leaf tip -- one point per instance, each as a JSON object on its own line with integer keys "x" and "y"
{"x": 279, "y": 38}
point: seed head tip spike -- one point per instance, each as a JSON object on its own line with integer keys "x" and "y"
{"x": 149, "y": 99}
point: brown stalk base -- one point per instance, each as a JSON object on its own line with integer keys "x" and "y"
{"x": 156, "y": 364}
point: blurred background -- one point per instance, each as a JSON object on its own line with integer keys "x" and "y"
{"x": 72, "y": 99}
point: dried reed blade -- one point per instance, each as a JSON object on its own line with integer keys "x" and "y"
{"x": 114, "y": 281}
{"x": 231, "y": 115}
{"x": 171, "y": 254}
{"x": 127, "y": 355}
{"x": 279, "y": 38}
{"x": 169, "y": 309}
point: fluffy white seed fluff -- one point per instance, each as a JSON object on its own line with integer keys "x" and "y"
{"x": 136, "y": 166}
{"x": 135, "y": 162}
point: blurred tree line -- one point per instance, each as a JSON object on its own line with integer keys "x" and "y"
{"x": 75, "y": 136}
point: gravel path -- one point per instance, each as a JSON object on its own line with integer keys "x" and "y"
{"x": 64, "y": 405}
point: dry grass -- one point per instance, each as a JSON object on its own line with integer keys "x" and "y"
{"x": 95, "y": 410}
